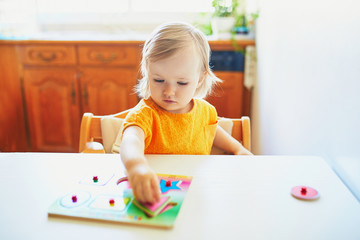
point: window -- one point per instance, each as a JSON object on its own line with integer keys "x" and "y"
{"x": 121, "y": 6}
{"x": 118, "y": 11}
{"x": 24, "y": 17}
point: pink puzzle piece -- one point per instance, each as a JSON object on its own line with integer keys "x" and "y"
{"x": 153, "y": 209}
{"x": 304, "y": 193}
{"x": 156, "y": 206}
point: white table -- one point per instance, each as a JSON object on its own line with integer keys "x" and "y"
{"x": 231, "y": 197}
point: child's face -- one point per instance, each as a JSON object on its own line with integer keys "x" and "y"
{"x": 174, "y": 80}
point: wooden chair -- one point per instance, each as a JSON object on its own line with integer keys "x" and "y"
{"x": 91, "y": 135}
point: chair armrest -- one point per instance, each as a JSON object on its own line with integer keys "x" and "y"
{"x": 84, "y": 131}
{"x": 94, "y": 147}
{"x": 246, "y": 132}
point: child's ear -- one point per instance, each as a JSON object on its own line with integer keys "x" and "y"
{"x": 201, "y": 79}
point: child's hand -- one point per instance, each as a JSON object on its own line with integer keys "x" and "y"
{"x": 145, "y": 184}
{"x": 243, "y": 151}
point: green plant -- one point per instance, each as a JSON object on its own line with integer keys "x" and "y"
{"x": 230, "y": 8}
{"x": 245, "y": 20}
{"x": 224, "y": 8}
{"x": 206, "y": 28}
{"x": 236, "y": 9}
{"x": 204, "y": 23}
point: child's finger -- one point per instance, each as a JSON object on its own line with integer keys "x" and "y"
{"x": 139, "y": 193}
{"x": 155, "y": 189}
{"x": 147, "y": 192}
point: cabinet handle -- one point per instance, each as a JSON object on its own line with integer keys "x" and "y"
{"x": 73, "y": 94}
{"x": 86, "y": 94}
{"x": 47, "y": 59}
{"x": 103, "y": 59}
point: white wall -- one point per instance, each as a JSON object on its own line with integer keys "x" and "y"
{"x": 307, "y": 98}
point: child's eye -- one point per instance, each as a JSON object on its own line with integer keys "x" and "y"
{"x": 158, "y": 80}
{"x": 182, "y": 83}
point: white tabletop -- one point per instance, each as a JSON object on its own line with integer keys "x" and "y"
{"x": 230, "y": 197}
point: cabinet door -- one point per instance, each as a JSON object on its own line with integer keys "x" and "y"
{"x": 12, "y": 124}
{"x": 107, "y": 90}
{"x": 52, "y": 109}
{"x": 227, "y": 97}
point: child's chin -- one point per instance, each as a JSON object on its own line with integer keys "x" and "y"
{"x": 173, "y": 110}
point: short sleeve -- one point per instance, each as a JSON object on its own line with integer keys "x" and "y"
{"x": 213, "y": 114}
{"x": 209, "y": 112}
{"x": 142, "y": 117}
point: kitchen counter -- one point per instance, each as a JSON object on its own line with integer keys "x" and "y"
{"x": 101, "y": 37}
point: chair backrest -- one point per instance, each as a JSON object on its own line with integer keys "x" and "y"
{"x": 90, "y": 131}
{"x": 91, "y": 135}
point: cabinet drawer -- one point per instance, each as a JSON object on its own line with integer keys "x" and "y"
{"x": 108, "y": 55}
{"x": 48, "y": 55}
{"x": 230, "y": 79}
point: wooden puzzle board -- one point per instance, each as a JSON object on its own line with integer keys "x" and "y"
{"x": 99, "y": 197}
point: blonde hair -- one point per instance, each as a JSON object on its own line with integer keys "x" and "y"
{"x": 168, "y": 39}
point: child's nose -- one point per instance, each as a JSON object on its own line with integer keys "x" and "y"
{"x": 169, "y": 90}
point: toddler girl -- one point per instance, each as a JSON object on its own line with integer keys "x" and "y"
{"x": 172, "y": 117}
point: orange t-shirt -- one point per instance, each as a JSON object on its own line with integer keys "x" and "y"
{"x": 175, "y": 133}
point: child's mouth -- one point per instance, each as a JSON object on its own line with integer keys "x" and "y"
{"x": 169, "y": 101}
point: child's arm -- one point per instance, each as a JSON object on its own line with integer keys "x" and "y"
{"x": 226, "y": 142}
{"x": 142, "y": 178}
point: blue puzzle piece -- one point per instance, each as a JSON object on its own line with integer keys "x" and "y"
{"x": 173, "y": 186}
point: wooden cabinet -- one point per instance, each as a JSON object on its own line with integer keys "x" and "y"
{"x": 53, "y": 110}
{"x": 107, "y": 77}
{"x": 113, "y": 55}
{"x": 107, "y": 91}
{"x": 61, "y": 82}
{"x": 227, "y": 97}
{"x": 40, "y": 55}
{"x": 230, "y": 97}
{"x": 51, "y": 97}
{"x": 13, "y": 134}
{"x": 46, "y": 86}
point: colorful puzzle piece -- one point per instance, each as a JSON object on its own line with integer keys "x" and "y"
{"x": 168, "y": 207}
{"x": 153, "y": 209}
{"x": 305, "y": 193}
{"x": 167, "y": 185}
